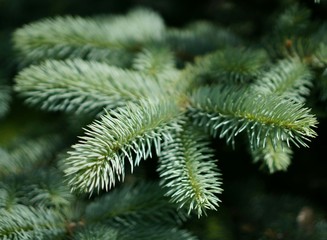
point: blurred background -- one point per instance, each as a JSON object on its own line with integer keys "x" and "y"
{"x": 255, "y": 204}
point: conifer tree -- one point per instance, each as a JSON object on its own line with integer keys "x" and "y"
{"x": 141, "y": 90}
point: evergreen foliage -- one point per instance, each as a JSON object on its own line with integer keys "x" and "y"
{"x": 188, "y": 171}
{"x": 4, "y": 99}
{"x": 160, "y": 94}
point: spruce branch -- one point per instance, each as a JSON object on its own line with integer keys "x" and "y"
{"x": 25, "y": 155}
{"x": 199, "y": 38}
{"x": 96, "y": 232}
{"x": 104, "y": 40}
{"x": 8, "y": 196}
{"x": 41, "y": 188}
{"x": 230, "y": 65}
{"x": 321, "y": 54}
{"x": 188, "y": 173}
{"x": 82, "y": 86}
{"x": 5, "y": 98}
{"x": 143, "y": 202}
{"x": 24, "y": 222}
{"x": 226, "y": 112}
{"x": 294, "y": 34}
{"x": 294, "y": 20}
{"x": 130, "y": 132}
{"x": 159, "y": 64}
{"x": 154, "y": 61}
{"x": 155, "y": 91}
{"x": 47, "y": 189}
{"x": 289, "y": 79}
{"x": 137, "y": 211}
{"x": 274, "y": 157}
